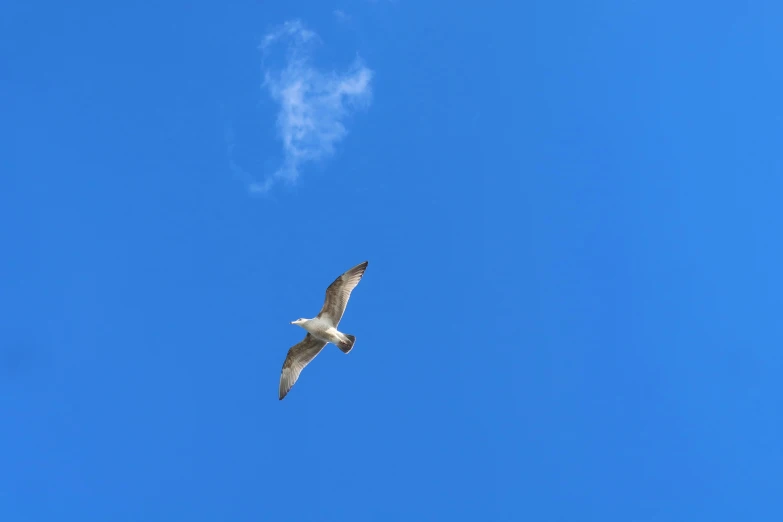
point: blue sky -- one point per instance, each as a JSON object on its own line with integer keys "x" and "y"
{"x": 572, "y": 216}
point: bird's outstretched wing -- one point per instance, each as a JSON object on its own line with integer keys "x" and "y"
{"x": 298, "y": 357}
{"x": 339, "y": 292}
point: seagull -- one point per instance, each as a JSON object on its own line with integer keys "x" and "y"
{"x": 322, "y": 329}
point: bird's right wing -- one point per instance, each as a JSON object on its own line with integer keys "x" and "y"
{"x": 298, "y": 357}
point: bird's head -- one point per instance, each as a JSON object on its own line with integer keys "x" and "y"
{"x": 299, "y": 322}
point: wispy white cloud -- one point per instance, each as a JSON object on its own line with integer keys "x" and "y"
{"x": 313, "y": 104}
{"x": 341, "y": 15}
{"x": 293, "y": 29}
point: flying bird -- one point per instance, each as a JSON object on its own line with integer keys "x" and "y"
{"x": 322, "y": 329}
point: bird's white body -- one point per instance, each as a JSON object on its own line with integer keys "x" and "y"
{"x": 321, "y": 329}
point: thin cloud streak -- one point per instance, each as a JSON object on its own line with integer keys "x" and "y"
{"x": 313, "y": 104}
{"x": 340, "y": 15}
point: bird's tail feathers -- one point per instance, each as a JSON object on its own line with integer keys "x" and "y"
{"x": 346, "y": 344}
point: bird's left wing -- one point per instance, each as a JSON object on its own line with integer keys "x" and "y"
{"x": 339, "y": 292}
